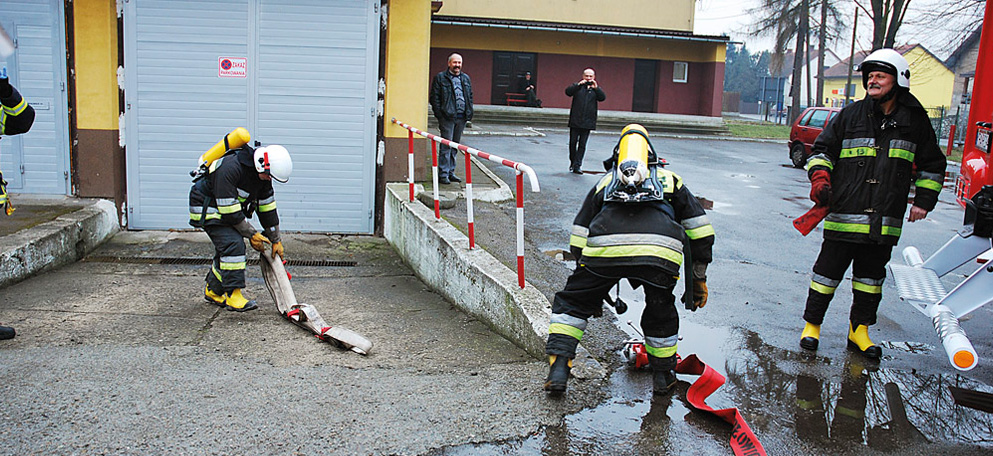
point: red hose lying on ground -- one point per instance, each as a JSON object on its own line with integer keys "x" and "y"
{"x": 743, "y": 441}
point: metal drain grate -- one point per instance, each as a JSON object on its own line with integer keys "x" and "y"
{"x": 207, "y": 261}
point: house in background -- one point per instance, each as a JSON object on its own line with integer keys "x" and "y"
{"x": 808, "y": 75}
{"x": 962, "y": 62}
{"x": 930, "y": 80}
{"x": 645, "y": 54}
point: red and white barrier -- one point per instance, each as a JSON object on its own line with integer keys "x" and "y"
{"x": 520, "y": 169}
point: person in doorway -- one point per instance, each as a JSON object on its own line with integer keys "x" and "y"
{"x": 637, "y": 223}
{"x": 530, "y": 90}
{"x": 582, "y": 116}
{"x": 16, "y": 117}
{"x": 862, "y": 166}
{"x": 235, "y": 186}
{"x": 451, "y": 102}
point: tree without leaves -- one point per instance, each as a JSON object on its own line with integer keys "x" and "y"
{"x": 887, "y": 17}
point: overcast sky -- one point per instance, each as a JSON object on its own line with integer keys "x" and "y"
{"x": 731, "y": 17}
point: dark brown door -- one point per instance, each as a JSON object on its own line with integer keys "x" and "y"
{"x": 644, "y": 93}
{"x": 508, "y": 69}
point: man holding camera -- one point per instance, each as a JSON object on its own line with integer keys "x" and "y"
{"x": 582, "y": 116}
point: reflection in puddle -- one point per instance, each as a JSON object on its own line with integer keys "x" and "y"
{"x": 794, "y": 402}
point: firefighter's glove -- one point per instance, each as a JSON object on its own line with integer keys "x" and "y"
{"x": 259, "y": 241}
{"x": 699, "y": 294}
{"x": 6, "y": 89}
{"x": 820, "y": 187}
{"x": 277, "y": 249}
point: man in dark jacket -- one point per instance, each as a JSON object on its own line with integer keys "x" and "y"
{"x": 236, "y": 185}
{"x": 636, "y": 223}
{"x": 16, "y": 117}
{"x": 451, "y": 102}
{"x": 862, "y": 166}
{"x": 582, "y": 116}
{"x": 528, "y": 87}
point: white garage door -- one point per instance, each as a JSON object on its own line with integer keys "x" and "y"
{"x": 308, "y": 83}
{"x": 38, "y": 161}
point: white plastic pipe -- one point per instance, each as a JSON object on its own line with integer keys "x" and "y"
{"x": 960, "y": 352}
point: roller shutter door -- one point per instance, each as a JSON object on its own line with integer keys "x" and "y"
{"x": 309, "y": 84}
{"x": 38, "y": 161}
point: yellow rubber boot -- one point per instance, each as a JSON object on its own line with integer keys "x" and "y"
{"x": 212, "y": 297}
{"x": 810, "y": 337}
{"x": 235, "y": 301}
{"x": 558, "y": 374}
{"x": 858, "y": 340}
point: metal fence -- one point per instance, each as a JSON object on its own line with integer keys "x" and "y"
{"x": 943, "y": 118}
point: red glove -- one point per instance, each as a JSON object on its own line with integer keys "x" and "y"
{"x": 820, "y": 187}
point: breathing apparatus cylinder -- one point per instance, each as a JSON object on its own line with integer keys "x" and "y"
{"x": 237, "y": 138}
{"x": 632, "y": 155}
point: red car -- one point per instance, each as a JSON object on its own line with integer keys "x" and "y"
{"x": 805, "y": 131}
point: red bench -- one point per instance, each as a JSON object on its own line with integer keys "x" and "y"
{"x": 516, "y": 99}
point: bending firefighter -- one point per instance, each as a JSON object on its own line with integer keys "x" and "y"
{"x": 16, "y": 117}
{"x": 221, "y": 201}
{"x": 638, "y": 223}
{"x": 861, "y": 169}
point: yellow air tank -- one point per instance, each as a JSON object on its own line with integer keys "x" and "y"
{"x": 237, "y": 138}
{"x": 632, "y": 155}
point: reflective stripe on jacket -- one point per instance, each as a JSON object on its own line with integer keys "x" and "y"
{"x": 232, "y": 191}
{"x": 872, "y": 162}
{"x": 644, "y": 233}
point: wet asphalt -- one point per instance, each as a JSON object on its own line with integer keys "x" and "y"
{"x": 118, "y": 354}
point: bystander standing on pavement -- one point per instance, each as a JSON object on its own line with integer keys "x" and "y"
{"x": 582, "y": 116}
{"x": 16, "y": 117}
{"x": 451, "y": 102}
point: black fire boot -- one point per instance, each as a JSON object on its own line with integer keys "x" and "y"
{"x": 663, "y": 375}
{"x": 6, "y": 332}
{"x": 558, "y": 374}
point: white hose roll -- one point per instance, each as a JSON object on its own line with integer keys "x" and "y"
{"x": 960, "y": 352}
{"x": 912, "y": 256}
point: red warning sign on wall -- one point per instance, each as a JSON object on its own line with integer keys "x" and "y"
{"x": 232, "y": 67}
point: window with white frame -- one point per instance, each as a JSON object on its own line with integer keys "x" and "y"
{"x": 679, "y": 71}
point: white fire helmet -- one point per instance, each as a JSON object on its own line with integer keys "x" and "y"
{"x": 887, "y": 61}
{"x": 275, "y": 161}
{"x": 632, "y": 156}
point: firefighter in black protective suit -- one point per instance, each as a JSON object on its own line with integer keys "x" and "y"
{"x": 16, "y": 117}
{"x": 221, "y": 202}
{"x": 638, "y": 223}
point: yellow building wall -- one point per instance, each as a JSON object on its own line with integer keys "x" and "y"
{"x": 569, "y": 43}
{"x": 408, "y": 39}
{"x": 98, "y": 159}
{"x": 95, "y": 52}
{"x": 654, "y": 14}
{"x": 930, "y": 81}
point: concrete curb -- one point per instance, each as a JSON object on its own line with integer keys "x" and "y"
{"x": 56, "y": 243}
{"x": 472, "y": 279}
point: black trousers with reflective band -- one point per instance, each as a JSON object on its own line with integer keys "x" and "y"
{"x": 868, "y": 262}
{"x": 585, "y": 290}
{"x": 228, "y": 242}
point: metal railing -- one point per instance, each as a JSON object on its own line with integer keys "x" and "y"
{"x": 520, "y": 169}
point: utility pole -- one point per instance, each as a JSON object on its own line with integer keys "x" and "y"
{"x": 851, "y": 58}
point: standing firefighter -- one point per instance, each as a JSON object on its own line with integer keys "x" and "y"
{"x": 637, "y": 223}
{"x": 234, "y": 186}
{"x": 861, "y": 171}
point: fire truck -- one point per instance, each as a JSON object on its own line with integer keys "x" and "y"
{"x": 919, "y": 280}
